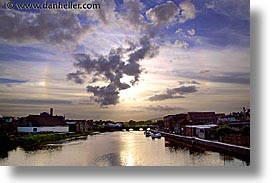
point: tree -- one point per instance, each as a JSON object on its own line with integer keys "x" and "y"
{"x": 132, "y": 123}
{"x": 221, "y": 131}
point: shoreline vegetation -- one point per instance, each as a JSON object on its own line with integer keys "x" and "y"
{"x": 36, "y": 141}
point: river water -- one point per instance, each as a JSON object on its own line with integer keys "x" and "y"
{"x": 117, "y": 149}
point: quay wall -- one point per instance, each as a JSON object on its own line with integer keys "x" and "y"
{"x": 240, "y": 151}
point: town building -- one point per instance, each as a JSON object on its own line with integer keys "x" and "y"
{"x": 174, "y": 122}
{"x": 201, "y": 117}
{"x": 43, "y": 123}
{"x": 79, "y": 125}
{"x": 200, "y": 131}
{"x": 8, "y": 124}
{"x": 238, "y": 125}
{"x": 226, "y": 119}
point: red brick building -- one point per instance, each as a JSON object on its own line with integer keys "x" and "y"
{"x": 174, "y": 122}
{"x": 201, "y": 117}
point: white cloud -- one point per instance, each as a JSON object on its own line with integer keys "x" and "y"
{"x": 105, "y": 15}
{"x": 191, "y": 32}
{"x": 162, "y": 14}
{"x": 188, "y": 11}
{"x": 55, "y": 28}
{"x": 177, "y": 44}
{"x": 130, "y": 14}
{"x": 181, "y": 44}
{"x": 210, "y": 5}
{"x": 179, "y": 31}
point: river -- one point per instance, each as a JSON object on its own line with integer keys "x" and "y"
{"x": 117, "y": 149}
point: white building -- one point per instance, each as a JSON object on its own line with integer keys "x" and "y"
{"x": 43, "y": 123}
{"x": 43, "y": 129}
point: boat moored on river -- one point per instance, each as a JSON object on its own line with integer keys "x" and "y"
{"x": 155, "y": 135}
{"x": 147, "y": 133}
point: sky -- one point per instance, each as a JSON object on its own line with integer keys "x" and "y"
{"x": 127, "y": 60}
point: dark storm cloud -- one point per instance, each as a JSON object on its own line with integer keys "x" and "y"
{"x": 174, "y": 93}
{"x": 111, "y": 68}
{"x": 62, "y": 27}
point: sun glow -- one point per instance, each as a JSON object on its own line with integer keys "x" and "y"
{"x": 133, "y": 93}
{"x": 42, "y": 83}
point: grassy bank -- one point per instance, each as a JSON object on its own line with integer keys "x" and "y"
{"x": 34, "y": 141}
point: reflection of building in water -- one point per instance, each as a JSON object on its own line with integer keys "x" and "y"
{"x": 226, "y": 157}
{"x": 3, "y": 153}
{"x": 229, "y": 160}
{"x": 52, "y": 147}
{"x": 174, "y": 145}
{"x": 196, "y": 146}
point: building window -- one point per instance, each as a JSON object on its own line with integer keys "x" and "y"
{"x": 34, "y": 129}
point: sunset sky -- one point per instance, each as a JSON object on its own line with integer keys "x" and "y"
{"x": 129, "y": 60}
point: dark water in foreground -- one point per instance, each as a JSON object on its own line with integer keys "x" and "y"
{"x": 117, "y": 149}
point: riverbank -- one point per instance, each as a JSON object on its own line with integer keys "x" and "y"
{"x": 230, "y": 149}
{"x": 35, "y": 141}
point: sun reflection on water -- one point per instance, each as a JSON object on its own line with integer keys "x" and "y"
{"x": 128, "y": 152}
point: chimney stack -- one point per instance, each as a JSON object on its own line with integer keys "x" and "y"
{"x": 51, "y": 111}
